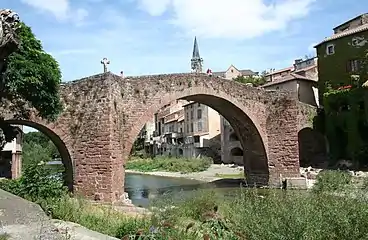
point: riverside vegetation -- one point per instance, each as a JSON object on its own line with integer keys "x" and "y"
{"x": 169, "y": 164}
{"x": 206, "y": 214}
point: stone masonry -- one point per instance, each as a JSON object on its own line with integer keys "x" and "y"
{"x": 104, "y": 113}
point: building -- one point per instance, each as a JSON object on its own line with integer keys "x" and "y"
{"x": 301, "y": 79}
{"x": 232, "y": 72}
{"x": 202, "y": 131}
{"x": 307, "y": 68}
{"x": 274, "y": 75}
{"x": 11, "y": 157}
{"x": 339, "y": 55}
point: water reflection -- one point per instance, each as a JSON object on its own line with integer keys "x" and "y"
{"x": 143, "y": 188}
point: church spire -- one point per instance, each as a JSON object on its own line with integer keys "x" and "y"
{"x": 196, "y": 58}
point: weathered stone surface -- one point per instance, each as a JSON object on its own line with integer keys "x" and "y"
{"x": 104, "y": 113}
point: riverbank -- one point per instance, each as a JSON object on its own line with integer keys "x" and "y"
{"x": 208, "y": 214}
{"x": 213, "y": 173}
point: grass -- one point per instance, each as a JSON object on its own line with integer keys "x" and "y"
{"x": 103, "y": 219}
{"x": 169, "y": 164}
{"x": 4, "y": 236}
{"x": 230, "y": 176}
{"x": 250, "y": 214}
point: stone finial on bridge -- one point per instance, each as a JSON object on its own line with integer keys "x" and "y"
{"x": 9, "y": 42}
{"x": 105, "y": 62}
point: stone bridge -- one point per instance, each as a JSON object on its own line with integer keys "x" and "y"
{"x": 104, "y": 113}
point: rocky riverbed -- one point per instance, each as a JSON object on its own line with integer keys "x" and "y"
{"x": 213, "y": 173}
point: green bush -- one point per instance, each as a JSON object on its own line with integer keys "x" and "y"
{"x": 169, "y": 164}
{"x": 36, "y": 184}
{"x": 331, "y": 180}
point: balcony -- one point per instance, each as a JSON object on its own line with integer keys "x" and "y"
{"x": 174, "y": 134}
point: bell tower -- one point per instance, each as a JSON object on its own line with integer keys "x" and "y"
{"x": 196, "y": 61}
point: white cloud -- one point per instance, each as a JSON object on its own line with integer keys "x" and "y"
{"x": 59, "y": 8}
{"x": 229, "y": 19}
{"x": 154, "y": 8}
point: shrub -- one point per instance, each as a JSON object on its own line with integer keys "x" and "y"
{"x": 330, "y": 180}
{"x": 36, "y": 184}
{"x": 170, "y": 164}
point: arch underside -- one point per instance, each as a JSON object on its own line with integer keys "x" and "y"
{"x": 254, "y": 153}
{"x": 60, "y": 145}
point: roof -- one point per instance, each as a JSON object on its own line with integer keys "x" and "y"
{"x": 359, "y": 29}
{"x": 287, "y": 78}
{"x": 244, "y": 72}
{"x": 280, "y": 70}
{"x": 355, "y": 18}
{"x": 306, "y": 68}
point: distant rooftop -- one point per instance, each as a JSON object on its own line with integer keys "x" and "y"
{"x": 359, "y": 29}
{"x": 287, "y": 78}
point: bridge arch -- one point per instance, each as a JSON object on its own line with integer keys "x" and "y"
{"x": 245, "y": 121}
{"x": 59, "y": 143}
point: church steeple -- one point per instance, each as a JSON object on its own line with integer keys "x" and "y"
{"x": 196, "y": 58}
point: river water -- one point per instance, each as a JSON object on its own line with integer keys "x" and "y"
{"x": 142, "y": 189}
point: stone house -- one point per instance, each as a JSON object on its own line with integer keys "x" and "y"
{"x": 305, "y": 88}
{"x": 274, "y": 75}
{"x": 11, "y": 157}
{"x": 232, "y": 72}
{"x": 202, "y": 131}
{"x": 339, "y": 56}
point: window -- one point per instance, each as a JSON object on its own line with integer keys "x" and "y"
{"x": 196, "y": 139}
{"x": 191, "y": 127}
{"x": 199, "y": 126}
{"x": 187, "y": 115}
{"x": 330, "y": 49}
{"x": 199, "y": 113}
{"x": 199, "y": 104}
{"x": 353, "y": 65}
{"x": 191, "y": 106}
{"x": 187, "y": 128}
{"x": 191, "y": 114}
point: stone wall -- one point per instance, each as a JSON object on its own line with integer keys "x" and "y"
{"x": 104, "y": 113}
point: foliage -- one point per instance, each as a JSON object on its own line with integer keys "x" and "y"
{"x": 345, "y": 118}
{"x": 37, "y": 147}
{"x": 36, "y": 183}
{"x": 31, "y": 77}
{"x": 329, "y": 181}
{"x": 254, "y": 80}
{"x": 206, "y": 214}
{"x": 169, "y": 164}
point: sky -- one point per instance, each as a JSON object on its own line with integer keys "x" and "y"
{"x": 143, "y": 37}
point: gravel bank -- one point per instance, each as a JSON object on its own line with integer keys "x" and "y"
{"x": 206, "y": 176}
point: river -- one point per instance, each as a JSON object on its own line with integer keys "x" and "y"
{"x": 144, "y": 188}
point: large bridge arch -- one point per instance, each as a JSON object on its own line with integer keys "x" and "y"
{"x": 56, "y": 137}
{"x": 266, "y": 120}
{"x": 252, "y": 134}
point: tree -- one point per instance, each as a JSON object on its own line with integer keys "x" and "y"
{"x": 254, "y": 80}
{"x": 31, "y": 79}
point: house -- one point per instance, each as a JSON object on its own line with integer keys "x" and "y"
{"x": 303, "y": 87}
{"x": 339, "y": 56}
{"x": 202, "y": 131}
{"x": 232, "y": 72}
{"x": 274, "y": 75}
{"x": 11, "y": 157}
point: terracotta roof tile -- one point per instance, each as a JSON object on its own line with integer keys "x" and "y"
{"x": 287, "y": 78}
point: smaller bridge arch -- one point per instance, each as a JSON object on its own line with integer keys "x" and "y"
{"x": 59, "y": 143}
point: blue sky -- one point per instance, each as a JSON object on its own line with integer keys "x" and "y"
{"x": 156, "y": 36}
